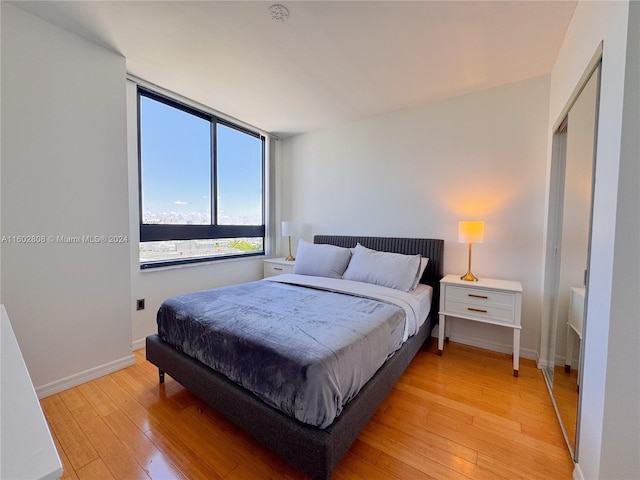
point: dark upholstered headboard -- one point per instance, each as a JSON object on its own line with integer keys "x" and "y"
{"x": 431, "y": 248}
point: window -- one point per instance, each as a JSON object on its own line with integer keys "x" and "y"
{"x": 201, "y": 185}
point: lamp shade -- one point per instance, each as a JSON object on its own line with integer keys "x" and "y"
{"x": 289, "y": 229}
{"x": 470, "y": 232}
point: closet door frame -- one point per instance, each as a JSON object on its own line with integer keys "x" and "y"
{"x": 554, "y": 241}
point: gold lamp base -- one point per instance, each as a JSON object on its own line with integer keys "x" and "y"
{"x": 469, "y": 277}
{"x": 290, "y": 258}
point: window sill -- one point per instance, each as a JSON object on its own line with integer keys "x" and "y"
{"x": 162, "y": 266}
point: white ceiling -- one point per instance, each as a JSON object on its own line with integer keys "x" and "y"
{"x": 331, "y": 61}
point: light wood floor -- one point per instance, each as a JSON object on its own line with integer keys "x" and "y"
{"x": 565, "y": 391}
{"x": 459, "y": 416}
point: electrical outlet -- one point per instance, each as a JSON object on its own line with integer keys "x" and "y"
{"x": 140, "y": 304}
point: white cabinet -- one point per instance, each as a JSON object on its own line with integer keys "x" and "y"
{"x": 498, "y": 302}
{"x": 28, "y": 450}
{"x": 277, "y": 266}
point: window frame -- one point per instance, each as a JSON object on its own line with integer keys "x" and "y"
{"x": 214, "y": 231}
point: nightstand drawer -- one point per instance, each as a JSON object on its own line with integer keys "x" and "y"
{"x": 481, "y": 297}
{"x": 486, "y": 313}
{"x": 481, "y": 304}
{"x": 273, "y": 268}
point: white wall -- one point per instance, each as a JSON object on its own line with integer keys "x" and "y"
{"x": 155, "y": 286}
{"x": 70, "y": 168}
{"x": 418, "y": 172}
{"x": 64, "y": 172}
{"x": 0, "y": 179}
{"x": 608, "y": 445}
{"x": 621, "y": 425}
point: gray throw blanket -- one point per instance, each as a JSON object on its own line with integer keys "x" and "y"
{"x": 305, "y": 351}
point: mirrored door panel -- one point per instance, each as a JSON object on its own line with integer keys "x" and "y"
{"x": 575, "y": 159}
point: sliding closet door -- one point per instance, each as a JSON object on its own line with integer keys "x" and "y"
{"x": 568, "y": 284}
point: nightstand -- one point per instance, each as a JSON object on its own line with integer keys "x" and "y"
{"x": 574, "y": 323}
{"x": 277, "y": 266}
{"x": 498, "y": 302}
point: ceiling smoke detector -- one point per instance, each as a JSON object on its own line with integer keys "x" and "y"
{"x": 278, "y": 12}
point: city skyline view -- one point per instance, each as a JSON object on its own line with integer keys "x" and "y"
{"x": 176, "y": 169}
{"x": 188, "y": 249}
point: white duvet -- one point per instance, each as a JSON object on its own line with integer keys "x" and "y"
{"x": 416, "y": 304}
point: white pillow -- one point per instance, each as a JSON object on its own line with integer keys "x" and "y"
{"x": 392, "y": 270}
{"x": 321, "y": 260}
{"x": 423, "y": 266}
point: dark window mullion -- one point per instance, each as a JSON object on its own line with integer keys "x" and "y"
{"x": 139, "y": 118}
{"x": 161, "y": 232}
{"x": 175, "y": 104}
{"x": 238, "y": 128}
{"x": 264, "y": 180}
{"x": 214, "y": 172}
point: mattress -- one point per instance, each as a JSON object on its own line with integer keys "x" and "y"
{"x": 303, "y": 345}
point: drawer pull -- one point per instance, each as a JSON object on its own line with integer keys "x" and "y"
{"x": 484, "y": 297}
{"x": 476, "y": 310}
{"x": 278, "y": 268}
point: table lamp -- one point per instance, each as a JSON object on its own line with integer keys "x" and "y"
{"x": 470, "y": 232}
{"x": 289, "y": 229}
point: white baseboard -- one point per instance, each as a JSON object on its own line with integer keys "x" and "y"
{"x": 138, "y": 344}
{"x": 542, "y": 363}
{"x": 560, "y": 362}
{"x": 493, "y": 346}
{"x": 85, "y": 376}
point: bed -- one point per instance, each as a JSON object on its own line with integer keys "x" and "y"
{"x": 316, "y": 449}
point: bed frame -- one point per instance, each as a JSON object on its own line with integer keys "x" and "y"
{"x": 315, "y": 451}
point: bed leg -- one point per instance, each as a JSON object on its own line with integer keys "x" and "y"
{"x": 161, "y": 376}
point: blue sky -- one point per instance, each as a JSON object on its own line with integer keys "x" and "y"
{"x": 176, "y": 165}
